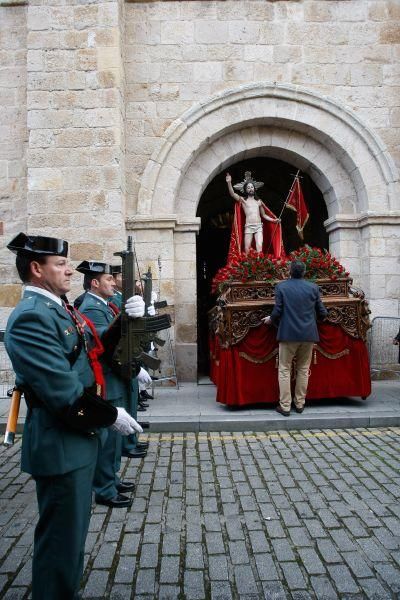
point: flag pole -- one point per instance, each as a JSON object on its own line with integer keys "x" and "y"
{"x": 283, "y": 208}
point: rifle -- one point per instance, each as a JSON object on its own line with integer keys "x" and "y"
{"x": 11, "y": 428}
{"x": 147, "y": 292}
{"x": 135, "y": 333}
{"x": 147, "y": 289}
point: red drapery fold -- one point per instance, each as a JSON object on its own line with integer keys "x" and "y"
{"x": 247, "y": 372}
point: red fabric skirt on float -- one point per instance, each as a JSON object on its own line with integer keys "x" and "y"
{"x": 247, "y": 373}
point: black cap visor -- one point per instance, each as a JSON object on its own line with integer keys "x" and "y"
{"x": 37, "y": 244}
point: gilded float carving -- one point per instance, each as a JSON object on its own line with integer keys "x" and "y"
{"x": 242, "y": 306}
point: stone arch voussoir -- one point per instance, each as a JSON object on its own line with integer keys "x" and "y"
{"x": 345, "y": 158}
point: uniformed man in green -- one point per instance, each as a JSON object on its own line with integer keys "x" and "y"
{"x": 48, "y": 346}
{"x": 99, "y": 283}
{"x": 116, "y": 271}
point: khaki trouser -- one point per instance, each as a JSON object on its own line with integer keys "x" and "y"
{"x": 302, "y": 351}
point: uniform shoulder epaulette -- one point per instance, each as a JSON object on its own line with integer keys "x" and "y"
{"x": 28, "y": 302}
{"x": 93, "y": 302}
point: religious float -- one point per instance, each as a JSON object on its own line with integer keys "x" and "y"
{"x": 244, "y": 351}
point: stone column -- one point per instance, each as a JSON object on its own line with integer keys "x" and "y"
{"x": 174, "y": 243}
{"x": 368, "y": 245}
{"x": 186, "y": 301}
{"x": 344, "y": 244}
{"x": 380, "y": 251}
{"x": 75, "y": 112}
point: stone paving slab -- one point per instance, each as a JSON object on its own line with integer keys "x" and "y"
{"x": 233, "y": 515}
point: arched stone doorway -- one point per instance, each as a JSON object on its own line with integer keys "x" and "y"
{"x": 215, "y": 210}
{"x": 344, "y": 158}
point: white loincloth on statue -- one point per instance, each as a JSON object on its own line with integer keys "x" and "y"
{"x": 253, "y": 228}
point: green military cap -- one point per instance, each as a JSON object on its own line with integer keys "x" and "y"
{"x": 93, "y": 267}
{"x": 38, "y": 244}
{"x": 115, "y": 269}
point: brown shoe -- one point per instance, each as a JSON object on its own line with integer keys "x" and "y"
{"x": 299, "y": 409}
{"x": 280, "y": 410}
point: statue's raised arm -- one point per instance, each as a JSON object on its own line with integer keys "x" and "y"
{"x": 232, "y": 192}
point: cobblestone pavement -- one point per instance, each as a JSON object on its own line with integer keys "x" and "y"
{"x": 297, "y": 515}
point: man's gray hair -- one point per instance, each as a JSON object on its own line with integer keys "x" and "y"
{"x": 297, "y": 269}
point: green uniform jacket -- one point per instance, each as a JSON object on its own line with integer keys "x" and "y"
{"x": 117, "y": 299}
{"x": 102, "y": 316}
{"x": 46, "y": 355}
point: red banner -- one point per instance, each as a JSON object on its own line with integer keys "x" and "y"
{"x": 296, "y": 202}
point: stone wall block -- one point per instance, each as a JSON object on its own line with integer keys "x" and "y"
{"x": 82, "y": 178}
{"x": 392, "y": 286}
{"x": 185, "y": 269}
{"x": 50, "y": 119}
{"x": 100, "y": 117}
{"x": 246, "y": 32}
{"x": 86, "y": 59}
{"x": 44, "y": 179}
{"x": 58, "y": 60}
{"x": 41, "y": 39}
{"x": 86, "y": 16}
{"x": 141, "y": 73}
{"x": 236, "y": 71}
{"x": 384, "y": 308}
{"x": 108, "y": 58}
{"x": 147, "y": 32}
{"x": 85, "y": 251}
{"x": 258, "y": 53}
{"x": 12, "y": 77}
{"x": 181, "y": 32}
{"x": 215, "y": 32}
{"x": 35, "y": 60}
{"x": 109, "y": 15}
{"x": 39, "y": 18}
{"x": 10, "y": 294}
{"x": 389, "y": 33}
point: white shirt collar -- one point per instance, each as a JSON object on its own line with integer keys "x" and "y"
{"x": 43, "y": 292}
{"x": 98, "y": 298}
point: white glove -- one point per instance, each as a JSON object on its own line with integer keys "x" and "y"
{"x": 154, "y": 297}
{"x": 151, "y": 311}
{"x": 135, "y": 306}
{"x": 143, "y": 377}
{"x": 125, "y": 424}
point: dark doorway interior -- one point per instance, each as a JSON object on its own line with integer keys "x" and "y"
{"x": 216, "y": 212}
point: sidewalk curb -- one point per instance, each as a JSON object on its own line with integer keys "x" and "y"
{"x": 195, "y": 425}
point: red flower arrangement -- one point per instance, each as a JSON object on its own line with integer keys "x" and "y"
{"x": 256, "y": 266}
{"x": 320, "y": 264}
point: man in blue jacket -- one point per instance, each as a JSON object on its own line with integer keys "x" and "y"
{"x": 48, "y": 347}
{"x": 297, "y": 307}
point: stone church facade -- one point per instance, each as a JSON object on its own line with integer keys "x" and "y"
{"x": 115, "y": 116}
